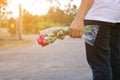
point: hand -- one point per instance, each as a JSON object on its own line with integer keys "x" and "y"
{"x": 76, "y": 28}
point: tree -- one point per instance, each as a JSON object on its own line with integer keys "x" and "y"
{"x": 65, "y": 16}
{"x": 30, "y": 22}
{"x": 57, "y": 3}
{"x": 3, "y": 3}
{"x": 19, "y": 25}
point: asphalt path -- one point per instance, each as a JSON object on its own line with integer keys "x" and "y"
{"x": 61, "y": 60}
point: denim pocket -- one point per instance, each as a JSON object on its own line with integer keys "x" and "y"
{"x": 90, "y": 33}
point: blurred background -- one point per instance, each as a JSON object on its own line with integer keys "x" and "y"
{"x": 22, "y": 18}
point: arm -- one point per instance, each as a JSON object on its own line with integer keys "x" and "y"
{"x": 76, "y": 28}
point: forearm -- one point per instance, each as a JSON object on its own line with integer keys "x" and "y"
{"x": 83, "y": 9}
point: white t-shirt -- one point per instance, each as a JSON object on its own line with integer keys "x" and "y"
{"x": 105, "y": 10}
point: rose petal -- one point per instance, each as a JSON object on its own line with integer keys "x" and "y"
{"x": 45, "y": 42}
{"x": 42, "y": 36}
{"x": 39, "y": 41}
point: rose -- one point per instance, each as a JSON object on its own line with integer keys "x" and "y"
{"x": 45, "y": 39}
{"x": 42, "y": 41}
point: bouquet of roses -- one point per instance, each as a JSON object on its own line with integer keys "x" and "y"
{"x": 90, "y": 33}
{"x": 46, "y": 39}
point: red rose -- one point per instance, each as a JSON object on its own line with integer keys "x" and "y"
{"x": 45, "y": 39}
{"x": 44, "y": 43}
{"x": 39, "y": 41}
{"x": 42, "y": 36}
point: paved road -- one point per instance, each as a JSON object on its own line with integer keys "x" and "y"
{"x": 62, "y": 60}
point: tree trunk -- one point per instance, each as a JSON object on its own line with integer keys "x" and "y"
{"x": 19, "y": 26}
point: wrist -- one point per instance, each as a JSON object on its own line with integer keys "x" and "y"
{"x": 79, "y": 18}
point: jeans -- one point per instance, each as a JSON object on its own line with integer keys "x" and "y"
{"x": 104, "y": 56}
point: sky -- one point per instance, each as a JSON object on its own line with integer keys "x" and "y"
{"x": 35, "y": 7}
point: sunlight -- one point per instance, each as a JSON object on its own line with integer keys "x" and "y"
{"x": 34, "y": 7}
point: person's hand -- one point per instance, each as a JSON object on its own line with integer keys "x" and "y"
{"x": 76, "y": 28}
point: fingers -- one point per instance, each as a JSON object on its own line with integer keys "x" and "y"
{"x": 80, "y": 34}
{"x": 75, "y": 33}
{"x": 76, "y": 29}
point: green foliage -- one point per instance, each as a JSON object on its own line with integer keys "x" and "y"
{"x": 43, "y": 25}
{"x": 4, "y": 23}
{"x": 57, "y": 34}
{"x": 54, "y": 17}
{"x": 11, "y": 25}
{"x": 32, "y": 24}
{"x": 3, "y": 2}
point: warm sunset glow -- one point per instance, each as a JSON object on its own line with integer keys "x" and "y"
{"x": 35, "y": 7}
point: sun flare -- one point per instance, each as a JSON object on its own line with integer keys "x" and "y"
{"x": 38, "y": 7}
{"x": 35, "y": 7}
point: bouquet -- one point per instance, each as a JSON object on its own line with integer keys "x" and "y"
{"x": 46, "y": 39}
{"x": 90, "y": 34}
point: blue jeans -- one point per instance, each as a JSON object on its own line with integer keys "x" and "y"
{"x": 104, "y": 56}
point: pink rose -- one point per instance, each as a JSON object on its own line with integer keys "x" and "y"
{"x": 45, "y": 39}
{"x": 42, "y": 41}
{"x": 39, "y": 41}
{"x": 42, "y": 36}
